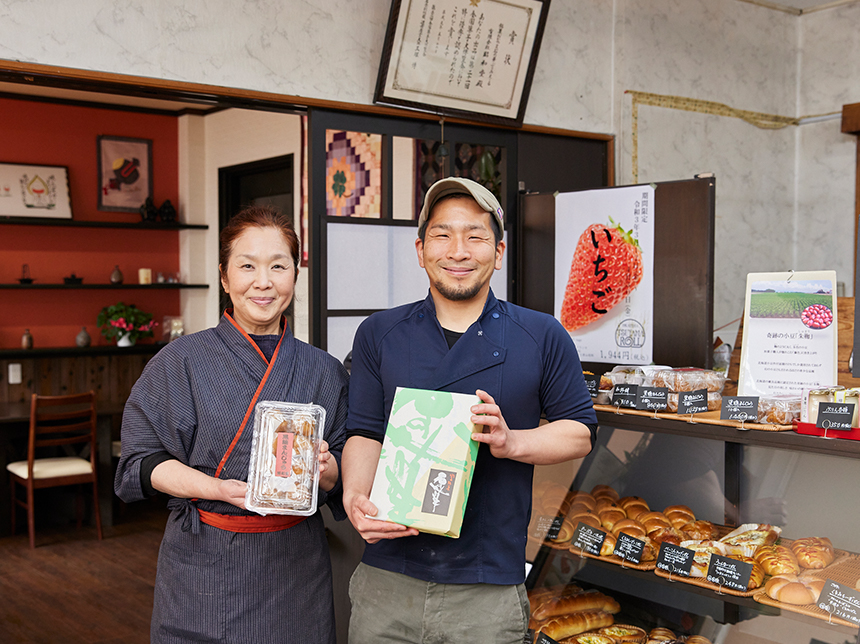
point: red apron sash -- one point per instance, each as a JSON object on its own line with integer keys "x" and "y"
{"x": 250, "y": 523}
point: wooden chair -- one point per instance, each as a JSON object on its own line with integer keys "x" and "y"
{"x": 64, "y": 421}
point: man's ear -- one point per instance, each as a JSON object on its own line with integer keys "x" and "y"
{"x": 419, "y": 249}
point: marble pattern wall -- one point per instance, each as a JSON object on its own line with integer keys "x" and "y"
{"x": 778, "y": 184}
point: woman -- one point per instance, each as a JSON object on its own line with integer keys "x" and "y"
{"x": 226, "y": 574}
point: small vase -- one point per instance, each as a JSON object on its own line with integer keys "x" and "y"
{"x": 26, "y": 340}
{"x": 125, "y": 340}
{"x": 116, "y": 276}
{"x": 83, "y": 338}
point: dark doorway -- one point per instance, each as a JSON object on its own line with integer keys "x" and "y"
{"x": 263, "y": 182}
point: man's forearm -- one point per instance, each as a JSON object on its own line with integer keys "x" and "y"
{"x": 358, "y": 465}
{"x": 555, "y": 442}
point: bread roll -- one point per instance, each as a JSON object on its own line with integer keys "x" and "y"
{"x": 539, "y": 595}
{"x": 608, "y": 518}
{"x": 757, "y": 574}
{"x": 565, "y": 533}
{"x": 624, "y": 633}
{"x": 697, "y": 639}
{"x": 627, "y": 500}
{"x": 578, "y": 508}
{"x": 605, "y": 503}
{"x": 777, "y": 560}
{"x": 648, "y": 516}
{"x": 604, "y": 491}
{"x": 636, "y": 510}
{"x": 589, "y": 638}
{"x": 576, "y": 623}
{"x": 608, "y": 545}
{"x": 630, "y": 527}
{"x": 661, "y": 634}
{"x": 666, "y": 534}
{"x": 587, "y": 600}
{"x": 700, "y": 530}
{"x": 813, "y": 552}
{"x": 584, "y": 498}
{"x": 679, "y": 508}
{"x": 587, "y": 519}
{"x": 791, "y": 589}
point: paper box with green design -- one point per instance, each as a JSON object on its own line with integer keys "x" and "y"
{"x": 427, "y": 461}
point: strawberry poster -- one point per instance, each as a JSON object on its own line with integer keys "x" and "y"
{"x": 604, "y": 265}
{"x": 790, "y": 340}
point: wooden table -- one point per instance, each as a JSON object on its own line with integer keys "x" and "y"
{"x": 15, "y": 423}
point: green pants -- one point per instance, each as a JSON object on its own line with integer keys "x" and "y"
{"x": 391, "y": 607}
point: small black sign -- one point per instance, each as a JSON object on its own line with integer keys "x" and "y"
{"x": 592, "y": 381}
{"x": 675, "y": 559}
{"x": 840, "y": 601}
{"x": 625, "y": 395}
{"x": 653, "y": 398}
{"x": 835, "y": 415}
{"x": 547, "y": 526}
{"x": 730, "y": 573}
{"x": 543, "y": 638}
{"x": 693, "y": 402}
{"x": 743, "y": 408}
{"x": 629, "y": 548}
{"x": 437, "y": 495}
{"x": 587, "y": 539}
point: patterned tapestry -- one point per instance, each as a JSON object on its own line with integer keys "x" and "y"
{"x": 480, "y": 163}
{"x": 353, "y": 174}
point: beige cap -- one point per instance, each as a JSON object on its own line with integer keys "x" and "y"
{"x": 459, "y": 185}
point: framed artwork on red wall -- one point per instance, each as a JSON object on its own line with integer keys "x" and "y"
{"x": 34, "y": 191}
{"x": 125, "y": 173}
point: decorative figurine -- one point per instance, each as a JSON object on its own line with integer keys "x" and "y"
{"x": 148, "y": 212}
{"x": 25, "y": 275}
{"x": 72, "y": 280}
{"x": 116, "y": 275}
{"x": 167, "y": 213}
{"x": 83, "y": 338}
{"x": 26, "y": 340}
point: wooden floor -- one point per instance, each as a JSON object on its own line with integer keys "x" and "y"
{"x": 73, "y": 589}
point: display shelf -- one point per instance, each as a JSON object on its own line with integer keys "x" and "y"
{"x": 75, "y": 223}
{"x": 76, "y": 352}
{"x": 727, "y": 433}
{"x": 115, "y": 287}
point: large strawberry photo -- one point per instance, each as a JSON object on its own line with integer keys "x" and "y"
{"x": 606, "y": 268}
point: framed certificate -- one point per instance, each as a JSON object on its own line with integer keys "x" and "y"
{"x": 469, "y": 58}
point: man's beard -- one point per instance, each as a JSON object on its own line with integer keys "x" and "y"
{"x": 458, "y": 294}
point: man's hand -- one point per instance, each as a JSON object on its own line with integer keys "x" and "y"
{"x": 372, "y": 530}
{"x": 498, "y": 436}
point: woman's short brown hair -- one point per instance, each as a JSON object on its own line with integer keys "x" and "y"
{"x": 262, "y": 216}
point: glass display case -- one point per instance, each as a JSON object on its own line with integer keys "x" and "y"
{"x": 721, "y": 472}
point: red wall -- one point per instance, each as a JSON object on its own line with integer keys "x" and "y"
{"x": 53, "y": 134}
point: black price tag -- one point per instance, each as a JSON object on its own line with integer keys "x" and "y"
{"x": 587, "y": 539}
{"x": 543, "y": 638}
{"x": 675, "y": 559}
{"x": 840, "y": 601}
{"x": 693, "y": 402}
{"x": 743, "y": 408}
{"x": 547, "y": 526}
{"x": 653, "y": 398}
{"x": 835, "y": 415}
{"x": 629, "y": 548}
{"x": 592, "y": 381}
{"x": 728, "y": 572}
{"x": 625, "y": 395}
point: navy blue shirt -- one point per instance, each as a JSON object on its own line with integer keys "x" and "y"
{"x": 528, "y": 363}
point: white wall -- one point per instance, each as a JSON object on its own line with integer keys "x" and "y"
{"x": 207, "y": 143}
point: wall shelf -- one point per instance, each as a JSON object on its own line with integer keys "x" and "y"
{"x": 80, "y": 352}
{"x": 114, "y": 287}
{"x": 74, "y": 223}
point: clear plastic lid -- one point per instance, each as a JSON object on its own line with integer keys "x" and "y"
{"x": 283, "y": 473}
{"x": 688, "y": 379}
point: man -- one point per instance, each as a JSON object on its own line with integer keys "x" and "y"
{"x": 413, "y": 587}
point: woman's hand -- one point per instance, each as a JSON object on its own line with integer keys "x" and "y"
{"x": 328, "y": 468}
{"x": 232, "y": 491}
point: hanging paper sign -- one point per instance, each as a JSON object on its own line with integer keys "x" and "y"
{"x": 604, "y": 265}
{"x": 790, "y": 333}
{"x": 743, "y": 408}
